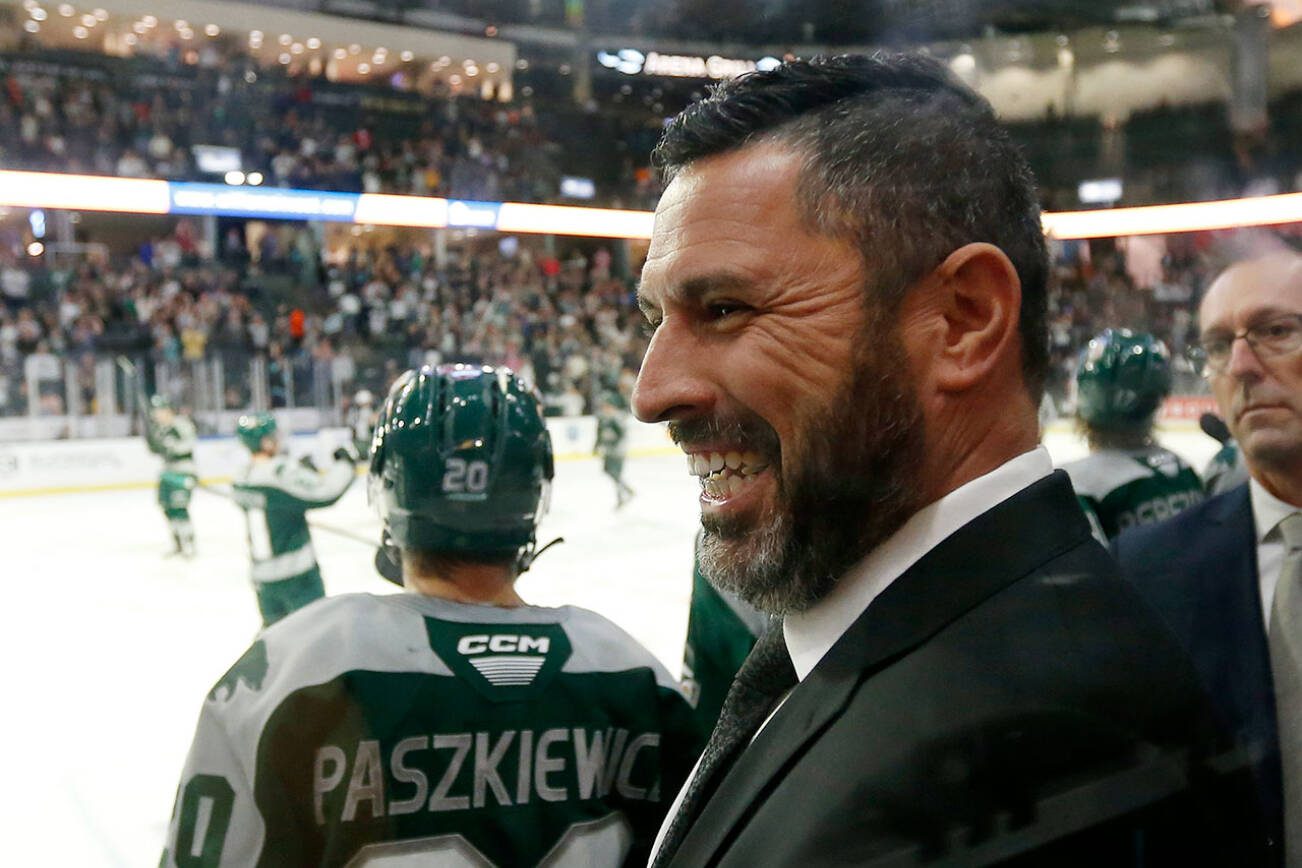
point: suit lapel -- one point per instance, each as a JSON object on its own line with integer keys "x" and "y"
{"x": 1229, "y": 580}
{"x": 977, "y": 561}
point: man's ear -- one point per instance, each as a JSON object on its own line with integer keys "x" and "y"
{"x": 979, "y": 296}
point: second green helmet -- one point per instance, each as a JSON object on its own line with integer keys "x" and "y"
{"x": 252, "y": 428}
{"x": 461, "y": 461}
{"x": 1122, "y": 380}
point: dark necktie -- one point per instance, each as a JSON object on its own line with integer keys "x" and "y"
{"x": 760, "y": 683}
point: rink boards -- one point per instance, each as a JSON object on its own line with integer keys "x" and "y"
{"x": 74, "y": 466}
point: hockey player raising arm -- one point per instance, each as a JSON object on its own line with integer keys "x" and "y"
{"x": 275, "y": 493}
{"x": 452, "y": 724}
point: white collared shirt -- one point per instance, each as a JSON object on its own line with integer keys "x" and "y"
{"x": 812, "y": 633}
{"x": 1267, "y": 512}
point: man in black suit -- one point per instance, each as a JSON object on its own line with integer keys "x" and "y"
{"x": 1214, "y": 572}
{"x": 846, "y": 286}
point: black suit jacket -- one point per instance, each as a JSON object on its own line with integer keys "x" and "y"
{"x": 1199, "y": 571}
{"x": 1007, "y": 700}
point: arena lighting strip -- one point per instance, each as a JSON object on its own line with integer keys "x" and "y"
{"x": 1186, "y": 217}
{"x": 137, "y": 196}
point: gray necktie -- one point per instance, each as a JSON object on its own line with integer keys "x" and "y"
{"x": 762, "y": 680}
{"x": 1286, "y": 666}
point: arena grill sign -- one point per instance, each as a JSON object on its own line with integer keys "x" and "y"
{"x": 630, "y": 61}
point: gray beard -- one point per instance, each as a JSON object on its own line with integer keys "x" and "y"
{"x": 851, "y": 491}
{"x": 756, "y": 567}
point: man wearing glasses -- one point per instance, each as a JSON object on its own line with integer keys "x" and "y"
{"x": 1227, "y": 574}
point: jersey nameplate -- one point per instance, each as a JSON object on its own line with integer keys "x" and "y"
{"x": 503, "y": 662}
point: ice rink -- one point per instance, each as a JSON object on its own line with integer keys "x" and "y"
{"x": 111, "y": 647}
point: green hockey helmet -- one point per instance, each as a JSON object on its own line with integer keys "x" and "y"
{"x": 160, "y": 402}
{"x": 461, "y": 462}
{"x": 253, "y": 428}
{"x": 1122, "y": 379}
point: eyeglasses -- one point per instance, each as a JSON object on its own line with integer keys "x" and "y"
{"x": 1275, "y": 337}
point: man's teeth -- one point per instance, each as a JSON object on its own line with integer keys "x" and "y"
{"x": 721, "y": 487}
{"x": 723, "y": 474}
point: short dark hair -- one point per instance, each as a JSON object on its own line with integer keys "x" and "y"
{"x": 902, "y": 159}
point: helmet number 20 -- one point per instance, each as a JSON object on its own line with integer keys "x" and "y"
{"x": 461, "y": 476}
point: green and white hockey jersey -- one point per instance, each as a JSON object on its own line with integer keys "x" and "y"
{"x": 175, "y": 443}
{"x": 612, "y": 435}
{"x": 405, "y": 730}
{"x": 721, "y": 630}
{"x": 1226, "y": 469}
{"x": 361, "y": 422}
{"x": 1128, "y": 488}
{"x": 275, "y": 495}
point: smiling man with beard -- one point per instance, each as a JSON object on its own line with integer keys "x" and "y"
{"x": 846, "y": 283}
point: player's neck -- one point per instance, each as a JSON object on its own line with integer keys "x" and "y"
{"x": 484, "y": 584}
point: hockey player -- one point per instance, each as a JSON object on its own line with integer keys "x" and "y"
{"x": 172, "y": 436}
{"x": 612, "y": 443}
{"x": 721, "y": 630}
{"x": 1127, "y": 479}
{"x": 1226, "y": 469}
{"x": 452, "y": 724}
{"x": 361, "y": 420}
{"x": 275, "y": 493}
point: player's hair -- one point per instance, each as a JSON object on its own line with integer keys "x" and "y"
{"x": 1100, "y": 439}
{"x": 902, "y": 159}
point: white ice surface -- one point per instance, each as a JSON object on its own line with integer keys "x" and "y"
{"x": 109, "y": 647}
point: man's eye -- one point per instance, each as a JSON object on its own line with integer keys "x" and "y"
{"x": 1278, "y": 330}
{"x": 724, "y": 309}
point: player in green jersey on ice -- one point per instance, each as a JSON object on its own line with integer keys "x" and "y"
{"x": 361, "y": 420}
{"x": 171, "y": 435}
{"x": 1127, "y": 479}
{"x": 612, "y": 443}
{"x": 275, "y": 493}
{"x": 452, "y": 724}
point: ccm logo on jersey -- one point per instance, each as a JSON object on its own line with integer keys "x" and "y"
{"x": 503, "y": 643}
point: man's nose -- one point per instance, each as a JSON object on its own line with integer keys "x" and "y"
{"x": 1244, "y": 363}
{"x": 673, "y": 382}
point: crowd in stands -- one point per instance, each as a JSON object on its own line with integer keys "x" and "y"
{"x": 325, "y": 323}
{"x": 319, "y": 330}
{"x": 71, "y": 112}
{"x": 459, "y": 147}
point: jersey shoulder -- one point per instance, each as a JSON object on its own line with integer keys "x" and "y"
{"x": 316, "y": 644}
{"x": 601, "y": 645}
{"x": 1100, "y": 473}
{"x": 258, "y": 474}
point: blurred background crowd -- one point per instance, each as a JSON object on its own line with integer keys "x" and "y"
{"x": 232, "y": 313}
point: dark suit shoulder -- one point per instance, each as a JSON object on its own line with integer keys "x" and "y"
{"x": 1086, "y": 642}
{"x": 1187, "y": 534}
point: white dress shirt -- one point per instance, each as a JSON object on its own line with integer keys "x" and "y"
{"x": 812, "y": 633}
{"x": 1267, "y": 512}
